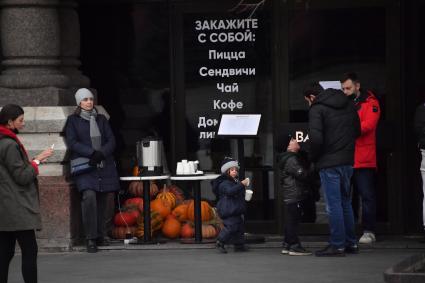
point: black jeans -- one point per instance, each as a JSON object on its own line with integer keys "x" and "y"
{"x": 293, "y": 212}
{"x": 93, "y": 205}
{"x": 364, "y": 186}
{"x": 27, "y": 242}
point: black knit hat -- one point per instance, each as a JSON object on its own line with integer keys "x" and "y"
{"x": 228, "y": 163}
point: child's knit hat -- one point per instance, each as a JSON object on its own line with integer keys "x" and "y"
{"x": 228, "y": 163}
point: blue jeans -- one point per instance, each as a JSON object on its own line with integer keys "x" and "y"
{"x": 364, "y": 186}
{"x": 336, "y": 187}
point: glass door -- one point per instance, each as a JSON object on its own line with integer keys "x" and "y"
{"x": 222, "y": 64}
{"x": 320, "y": 41}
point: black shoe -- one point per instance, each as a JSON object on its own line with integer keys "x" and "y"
{"x": 352, "y": 249}
{"x": 91, "y": 246}
{"x": 241, "y": 248}
{"x": 220, "y": 247}
{"x": 298, "y": 250}
{"x": 330, "y": 251}
{"x": 102, "y": 242}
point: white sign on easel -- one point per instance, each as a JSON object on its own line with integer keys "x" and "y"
{"x": 330, "y": 84}
{"x": 239, "y": 125}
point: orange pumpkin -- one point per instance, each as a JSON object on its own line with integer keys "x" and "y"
{"x": 126, "y": 218}
{"x": 119, "y": 232}
{"x": 180, "y": 212}
{"x": 136, "y": 171}
{"x": 171, "y": 227}
{"x": 187, "y": 231}
{"x": 206, "y": 213}
{"x": 156, "y": 220}
{"x": 209, "y": 231}
{"x": 167, "y": 196}
{"x": 161, "y": 206}
{"x": 156, "y": 224}
{"x": 178, "y": 193}
{"x": 133, "y": 203}
{"x": 136, "y": 189}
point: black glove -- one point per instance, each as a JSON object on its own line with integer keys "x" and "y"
{"x": 96, "y": 158}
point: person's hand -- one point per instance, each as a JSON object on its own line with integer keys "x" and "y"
{"x": 42, "y": 157}
{"x": 96, "y": 158}
{"x": 245, "y": 182}
{"x": 293, "y": 145}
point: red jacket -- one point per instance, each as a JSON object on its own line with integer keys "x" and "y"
{"x": 369, "y": 111}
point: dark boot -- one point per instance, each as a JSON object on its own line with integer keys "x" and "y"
{"x": 91, "y": 246}
{"x": 220, "y": 247}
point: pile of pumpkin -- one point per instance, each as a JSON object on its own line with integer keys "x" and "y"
{"x": 171, "y": 214}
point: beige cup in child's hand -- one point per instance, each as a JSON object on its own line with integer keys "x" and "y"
{"x": 245, "y": 182}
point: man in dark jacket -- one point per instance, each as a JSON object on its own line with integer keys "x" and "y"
{"x": 419, "y": 125}
{"x": 297, "y": 182}
{"x": 368, "y": 109}
{"x": 333, "y": 128}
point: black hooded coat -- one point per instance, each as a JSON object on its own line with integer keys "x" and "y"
{"x": 334, "y": 126}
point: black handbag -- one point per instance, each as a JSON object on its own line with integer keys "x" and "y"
{"x": 80, "y": 166}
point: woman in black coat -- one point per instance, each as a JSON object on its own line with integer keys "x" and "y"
{"x": 88, "y": 135}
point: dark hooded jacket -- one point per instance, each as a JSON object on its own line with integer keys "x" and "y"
{"x": 333, "y": 128}
{"x": 230, "y": 195}
{"x": 298, "y": 180}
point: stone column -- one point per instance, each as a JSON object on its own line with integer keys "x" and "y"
{"x": 70, "y": 44}
{"x": 32, "y": 76}
{"x": 30, "y": 41}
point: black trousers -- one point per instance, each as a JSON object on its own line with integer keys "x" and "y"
{"x": 93, "y": 205}
{"x": 364, "y": 187}
{"x": 233, "y": 231}
{"x": 293, "y": 213}
{"x": 27, "y": 241}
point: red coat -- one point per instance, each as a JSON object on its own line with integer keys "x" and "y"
{"x": 369, "y": 112}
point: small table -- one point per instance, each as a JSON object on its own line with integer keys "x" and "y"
{"x": 197, "y": 199}
{"x": 146, "y": 201}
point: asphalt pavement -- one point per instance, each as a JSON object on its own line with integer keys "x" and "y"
{"x": 176, "y": 262}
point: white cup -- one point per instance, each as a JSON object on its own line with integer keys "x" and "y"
{"x": 179, "y": 169}
{"x": 248, "y": 194}
{"x": 186, "y": 169}
{"x": 196, "y": 165}
{"x": 191, "y": 167}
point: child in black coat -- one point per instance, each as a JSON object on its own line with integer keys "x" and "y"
{"x": 231, "y": 207}
{"x": 297, "y": 182}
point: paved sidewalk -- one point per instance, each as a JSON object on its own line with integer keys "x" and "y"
{"x": 175, "y": 262}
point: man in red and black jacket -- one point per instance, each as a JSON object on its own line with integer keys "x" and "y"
{"x": 363, "y": 178}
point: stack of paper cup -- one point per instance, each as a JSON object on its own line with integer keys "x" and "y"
{"x": 179, "y": 170}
